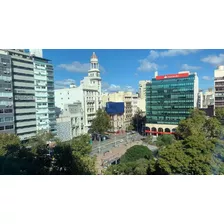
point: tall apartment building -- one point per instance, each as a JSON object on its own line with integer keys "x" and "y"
{"x": 7, "y": 124}
{"x": 169, "y": 99}
{"x": 219, "y": 86}
{"x": 70, "y": 123}
{"x": 22, "y": 72}
{"x": 130, "y": 104}
{"x": 206, "y": 98}
{"x": 142, "y": 95}
{"x": 44, "y": 95}
{"x": 142, "y": 88}
{"x": 24, "y": 93}
{"x": 88, "y": 93}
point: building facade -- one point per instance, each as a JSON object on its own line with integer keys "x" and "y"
{"x": 142, "y": 88}
{"x": 206, "y": 98}
{"x": 88, "y": 93}
{"x": 24, "y": 93}
{"x": 130, "y": 104}
{"x": 70, "y": 123}
{"x": 219, "y": 86}
{"x": 169, "y": 99}
{"x": 7, "y": 124}
{"x": 44, "y": 95}
{"x": 116, "y": 112}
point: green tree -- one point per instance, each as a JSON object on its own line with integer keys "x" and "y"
{"x": 138, "y": 167}
{"x": 138, "y": 121}
{"x": 130, "y": 127}
{"x": 148, "y": 140}
{"x": 171, "y": 160}
{"x": 74, "y": 158}
{"x": 135, "y": 153}
{"x": 164, "y": 140}
{"x": 82, "y": 144}
{"x": 8, "y": 143}
{"x": 219, "y": 114}
{"x": 101, "y": 123}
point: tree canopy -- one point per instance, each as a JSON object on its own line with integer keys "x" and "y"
{"x": 101, "y": 123}
{"x": 194, "y": 153}
{"x": 136, "y": 152}
{"x": 73, "y": 158}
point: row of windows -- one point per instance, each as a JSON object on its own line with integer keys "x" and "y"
{"x": 6, "y": 103}
{"x": 3, "y": 94}
{"x": 6, "y": 111}
{"x": 5, "y": 60}
{"x": 6, "y": 119}
{"x": 176, "y": 85}
{"x": 5, "y": 78}
{"x": 2, "y": 128}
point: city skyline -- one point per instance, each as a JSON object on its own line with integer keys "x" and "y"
{"x": 132, "y": 65}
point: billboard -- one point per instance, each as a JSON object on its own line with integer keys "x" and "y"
{"x": 172, "y": 76}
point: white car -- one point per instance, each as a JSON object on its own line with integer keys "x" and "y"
{"x": 121, "y": 140}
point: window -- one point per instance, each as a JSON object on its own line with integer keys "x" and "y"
{"x": 1, "y": 127}
{"x": 8, "y": 110}
{"x": 1, "y": 111}
{"x": 9, "y": 127}
{"x": 1, "y": 119}
{"x": 8, "y": 119}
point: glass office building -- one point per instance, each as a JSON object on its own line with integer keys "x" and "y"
{"x": 169, "y": 99}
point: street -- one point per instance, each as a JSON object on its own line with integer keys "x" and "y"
{"x": 115, "y": 141}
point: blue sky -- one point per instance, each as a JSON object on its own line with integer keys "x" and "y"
{"x": 122, "y": 69}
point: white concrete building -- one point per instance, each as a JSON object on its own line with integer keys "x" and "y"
{"x": 36, "y": 52}
{"x": 44, "y": 95}
{"x": 88, "y": 93}
{"x": 206, "y": 98}
{"x": 70, "y": 123}
{"x": 142, "y": 88}
{"x": 142, "y": 95}
{"x": 219, "y": 86}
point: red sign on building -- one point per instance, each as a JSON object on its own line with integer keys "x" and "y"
{"x": 172, "y": 76}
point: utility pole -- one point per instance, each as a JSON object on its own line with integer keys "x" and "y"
{"x": 99, "y": 143}
{"x": 115, "y": 139}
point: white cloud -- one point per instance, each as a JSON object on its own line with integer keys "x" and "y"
{"x": 153, "y": 55}
{"x": 147, "y": 66}
{"x": 63, "y": 83}
{"x": 208, "y": 78}
{"x": 176, "y": 52}
{"x": 214, "y": 60}
{"x": 190, "y": 67}
{"x": 110, "y": 88}
{"x": 129, "y": 89}
{"x": 77, "y": 67}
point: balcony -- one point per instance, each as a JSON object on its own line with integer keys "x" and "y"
{"x": 51, "y": 111}
{"x": 39, "y": 77}
{"x": 23, "y": 71}
{"x": 24, "y": 84}
{"x": 22, "y": 64}
{"x": 24, "y": 130}
{"x": 25, "y": 110}
{"x": 25, "y": 123}
{"x": 25, "y": 117}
